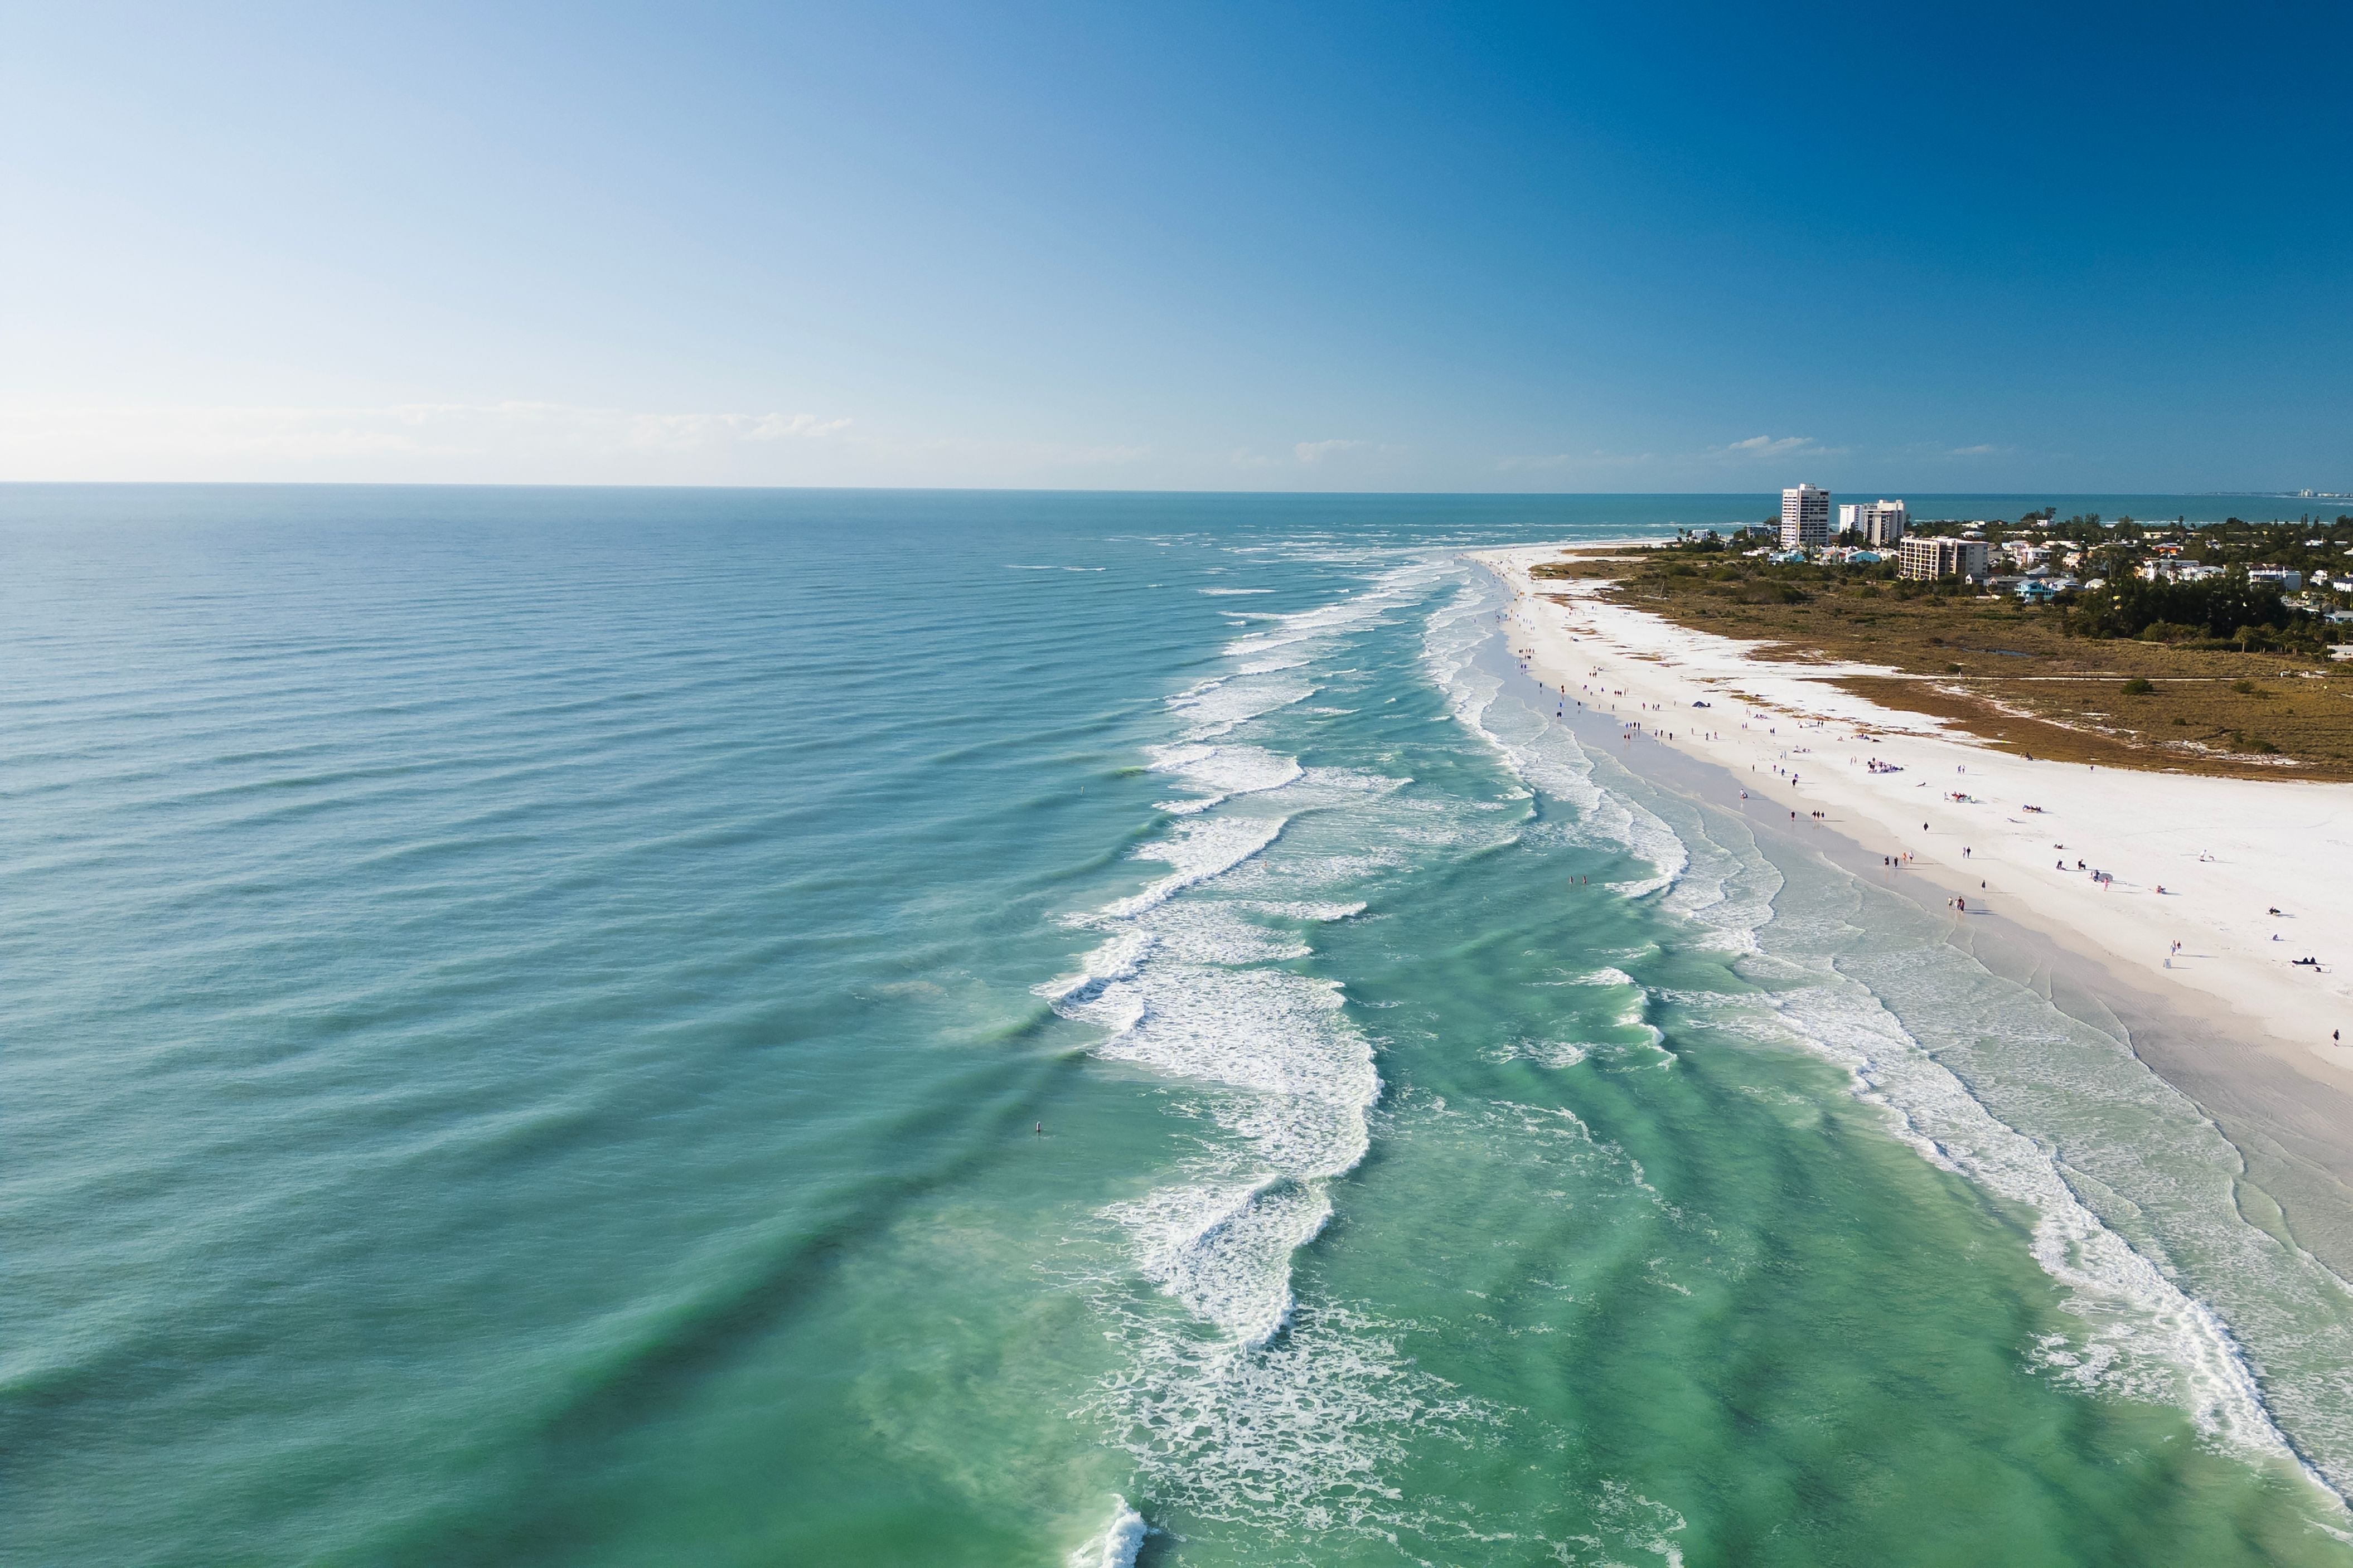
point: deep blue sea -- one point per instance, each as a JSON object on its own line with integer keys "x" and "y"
{"x": 773, "y": 1028}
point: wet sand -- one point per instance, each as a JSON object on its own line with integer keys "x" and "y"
{"x": 2249, "y": 1066}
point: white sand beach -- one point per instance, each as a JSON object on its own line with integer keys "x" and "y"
{"x": 2191, "y": 860}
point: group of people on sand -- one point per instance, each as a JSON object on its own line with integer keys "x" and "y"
{"x": 2102, "y": 878}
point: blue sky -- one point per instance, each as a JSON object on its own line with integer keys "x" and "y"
{"x": 1197, "y": 247}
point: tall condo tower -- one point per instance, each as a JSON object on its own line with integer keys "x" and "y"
{"x": 1882, "y": 524}
{"x": 1804, "y": 518}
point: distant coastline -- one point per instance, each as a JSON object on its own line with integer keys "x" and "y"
{"x": 2224, "y": 851}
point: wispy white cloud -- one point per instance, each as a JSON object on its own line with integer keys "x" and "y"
{"x": 675, "y": 431}
{"x": 1555, "y": 461}
{"x": 1316, "y": 451}
{"x": 141, "y": 441}
{"x": 518, "y": 441}
{"x": 1774, "y": 446}
{"x": 1983, "y": 449}
{"x": 996, "y": 459}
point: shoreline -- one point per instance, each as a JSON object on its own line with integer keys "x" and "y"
{"x": 2239, "y": 1034}
{"x": 2223, "y": 850}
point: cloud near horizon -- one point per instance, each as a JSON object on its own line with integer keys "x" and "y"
{"x": 40, "y": 441}
{"x": 1547, "y": 461}
{"x": 1773, "y": 447}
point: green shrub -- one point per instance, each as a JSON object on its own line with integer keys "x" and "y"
{"x": 2228, "y": 606}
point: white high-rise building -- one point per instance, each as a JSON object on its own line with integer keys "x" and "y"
{"x": 1882, "y": 522}
{"x": 1804, "y": 518}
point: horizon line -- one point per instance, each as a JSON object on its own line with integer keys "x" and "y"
{"x": 1079, "y": 490}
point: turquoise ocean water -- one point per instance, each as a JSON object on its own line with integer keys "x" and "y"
{"x": 531, "y": 1011}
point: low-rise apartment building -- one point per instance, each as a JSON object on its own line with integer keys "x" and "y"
{"x": 1926, "y": 560}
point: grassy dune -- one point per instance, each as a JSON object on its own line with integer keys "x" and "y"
{"x": 2006, "y": 672}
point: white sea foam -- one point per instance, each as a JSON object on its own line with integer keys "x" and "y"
{"x": 1117, "y": 1544}
{"x": 1216, "y": 707}
{"x": 1305, "y": 910}
{"x": 1183, "y": 987}
{"x": 1545, "y": 755}
{"x": 1219, "y": 932}
{"x": 1289, "y": 1411}
{"x": 1548, "y": 1053}
{"x": 1225, "y": 1253}
{"x": 1264, "y": 1030}
{"x": 1093, "y": 995}
{"x": 1187, "y": 987}
{"x": 2145, "y": 1336}
{"x": 2141, "y": 1324}
{"x": 1224, "y": 771}
{"x": 1197, "y": 850}
{"x": 1389, "y": 590}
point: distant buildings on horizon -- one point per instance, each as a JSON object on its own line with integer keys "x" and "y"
{"x": 2043, "y": 568}
{"x": 1880, "y": 523}
{"x": 1806, "y": 519}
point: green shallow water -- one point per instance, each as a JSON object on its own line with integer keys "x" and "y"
{"x": 531, "y": 1010}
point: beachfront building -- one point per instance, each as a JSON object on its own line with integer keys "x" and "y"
{"x": 2172, "y": 568}
{"x": 1804, "y": 518}
{"x": 2281, "y": 578}
{"x": 1882, "y": 522}
{"x": 1926, "y": 560}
